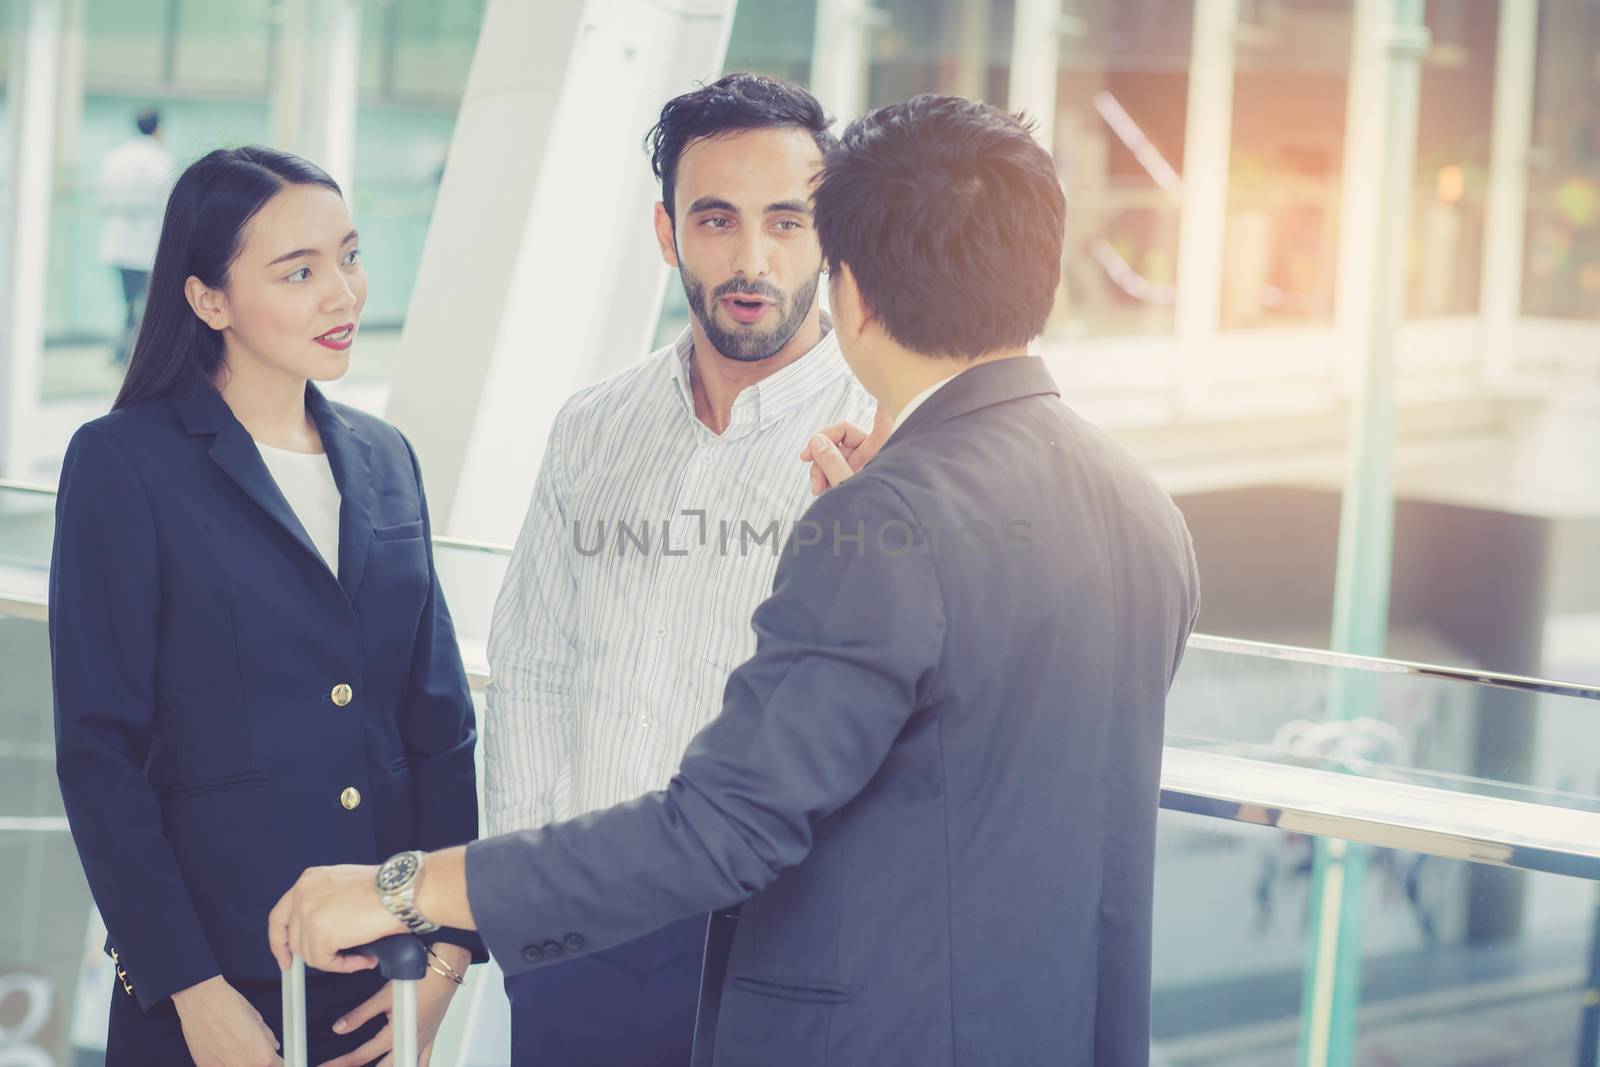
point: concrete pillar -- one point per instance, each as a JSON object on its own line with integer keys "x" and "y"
{"x": 314, "y": 83}
{"x": 972, "y": 48}
{"x": 1207, "y": 136}
{"x": 842, "y": 54}
{"x": 69, "y": 84}
{"x": 540, "y": 273}
{"x": 25, "y": 227}
{"x": 1506, "y": 214}
{"x": 1359, "y": 203}
{"x": 1036, "y": 31}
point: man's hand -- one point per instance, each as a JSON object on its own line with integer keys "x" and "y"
{"x": 842, "y": 449}
{"x": 433, "y": 1000}
{"x": 328, "y": 910}
{"x": 222, "y": 1029}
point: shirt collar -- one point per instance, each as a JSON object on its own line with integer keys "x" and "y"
{"x": 917, "y": 401}
{"x": 775, "y": 395}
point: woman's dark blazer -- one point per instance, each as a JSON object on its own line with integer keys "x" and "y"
{"x": 228, "y": 711}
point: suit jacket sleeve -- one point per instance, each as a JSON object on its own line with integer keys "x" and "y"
{"x": 846, "y": 644}
{"x": 437, "y": 725}
{"x": 105, "y": 617}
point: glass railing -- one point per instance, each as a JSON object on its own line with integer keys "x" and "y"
{"x": 1469, "y": 798}
{"x": 1456, "y": 729}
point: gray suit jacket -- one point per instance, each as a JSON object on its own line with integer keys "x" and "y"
{"x": 935, "y": 784}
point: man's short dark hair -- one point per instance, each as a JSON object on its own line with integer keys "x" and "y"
{"x": 148, "y": 121}
{"x": 730, "y": 104}
{"x": 951, "y": 218}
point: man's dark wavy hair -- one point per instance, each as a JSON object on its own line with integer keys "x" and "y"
{"x": 951, "y": 219}
{"x": 730, "y": 104}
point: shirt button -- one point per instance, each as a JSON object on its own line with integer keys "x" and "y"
{"x": 350, "y": 798}
{"x": 661, "y": 631}
{"x": 342, "y": 694}
{"x": 644, "y": 720}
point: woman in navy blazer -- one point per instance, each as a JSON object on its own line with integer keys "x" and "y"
{"x": 235, "y": 702}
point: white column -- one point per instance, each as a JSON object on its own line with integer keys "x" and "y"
{"x": 315, "y": 80}
{"x": 1036, "y": 30}
{"x": 25, "y": 228}
{"x": 1207, "y": 137}
{"x": 1505, "y": 217}
{"x": 290, "y": 52}
{"x": 1360, "y": 201}
{"x": 69, "y": 84}
{"x": 972, "y": 48}
{"x": 541, "y": 272}
{"x": 840, "y": 55}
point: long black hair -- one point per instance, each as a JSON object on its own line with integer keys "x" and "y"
{"x": 210, "y": 206}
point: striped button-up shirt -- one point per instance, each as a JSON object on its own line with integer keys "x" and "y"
{"x": 648, "y": 545}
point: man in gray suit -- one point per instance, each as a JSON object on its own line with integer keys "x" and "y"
{"x": 934, "y": 787}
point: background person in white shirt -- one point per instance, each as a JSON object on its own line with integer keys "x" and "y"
{"x": 134, "y": 178}
{"x": 663, "y": 500}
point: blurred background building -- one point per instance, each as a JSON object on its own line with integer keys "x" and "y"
{"x": 1221, "y": 292}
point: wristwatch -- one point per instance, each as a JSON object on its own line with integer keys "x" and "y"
{"x": 397, "y": 888}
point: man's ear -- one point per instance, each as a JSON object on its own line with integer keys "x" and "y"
{"x": 210, "y": 305}
{"x": 665, "y": 237}
{"x": 843, "y": 289}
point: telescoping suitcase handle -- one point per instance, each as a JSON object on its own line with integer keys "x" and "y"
{"x": 403, "y": 959}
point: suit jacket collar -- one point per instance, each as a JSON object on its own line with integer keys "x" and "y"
{"x": 979, "y": 387}
{"x": 204, "y": 413}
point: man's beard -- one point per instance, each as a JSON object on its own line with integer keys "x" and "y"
{"x": 749, "y": 345}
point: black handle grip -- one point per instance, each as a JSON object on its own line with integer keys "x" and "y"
{"x": 402, "y": 958}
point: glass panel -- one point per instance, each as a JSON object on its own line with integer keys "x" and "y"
{"x": 399, "y": 160}
{"x": 376, "y": 71}
{"x": 224, "y": 44}
{"x": 1562, "y": 276}
{"x": 953, "y": 46}
{"x": 1281, "y": 239}
{"x": 1123, "y": 82}
{"x": 434, "y": 40}
{"x": 85, "y": 308}
{"x": 415, "y": 56}
{"x": 27, "y": 527}
{"x": 1462, "y": 966}
{"x": 1447, "y": 210}
{"x": 1449, "y": 734}
{"x": 43, "y": 897}
{"x": 774, "y": 37}
{"x": 126, "y": 40}
{"x": 470, "y": 577}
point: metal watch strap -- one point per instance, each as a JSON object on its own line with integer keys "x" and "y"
{"x": 402, "y": 903}
{"x": 404, "y": 909}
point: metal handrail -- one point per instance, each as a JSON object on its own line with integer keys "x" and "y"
{"x": 26, "y": 487}
{"x": 19, "y": 606}
{"x": 28, "y": 607}
{"x": 1325, "y": 658}
{"x": 1497, "y": 831}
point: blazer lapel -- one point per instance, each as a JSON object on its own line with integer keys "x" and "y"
{"x": 350, "y": 456}
{"x": 205, "y": 412}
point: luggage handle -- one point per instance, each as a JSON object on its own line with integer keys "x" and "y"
{"x": 403, "y": 959}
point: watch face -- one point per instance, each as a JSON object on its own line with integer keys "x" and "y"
{"x": 397, "y": 872}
